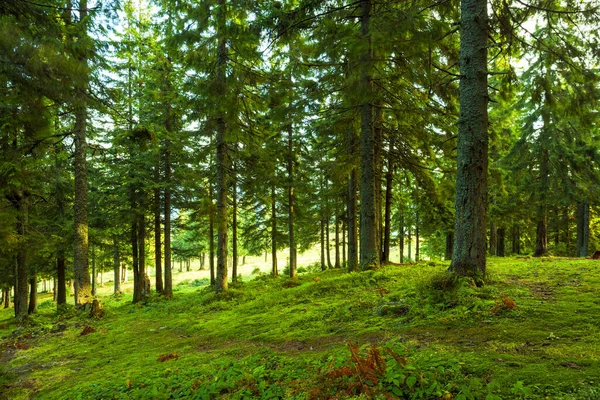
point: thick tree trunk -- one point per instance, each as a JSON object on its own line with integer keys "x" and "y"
{"x": 222, "y": 161}
{"x": 389, "y": 180}
{"x": 32, "y": 294}
{"x": 469, "y": 257}
{"x": 323, "y": 265}
{"x": 493, "y": 239}
{"x": 291, "y": 199}
{"x": 116, "y": 267}
{"x": 449, "y": 245}
{"x": 369, "y": 246}
{"x": 352, "y": 223}
{"x": 541, "y": 235}
{"x": 83, "y": 290}
{"x": 234, "y": 238}
{"x": 61, "y": 285}
{"x": 157, "y": 235}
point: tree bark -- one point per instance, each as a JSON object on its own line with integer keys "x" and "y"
{"x": 516, "y": 239}
{"x": 352, "y": 225}
{"x": 157, "y": 230}
{"x": 211, "y": 237}
{"x": 234, "y": 238}
{"x": 337, "y": 242}
{"x": 116, "y": 267}
{"x": 221, "y": 283}
{"x": 500, "y": 244}
{"x": 417, "y": 238}
{"x": 21, "y": 270}
{"x": 323, "y": 265}
{"x": 369, "y": 247}
{"x": 583, "y": 228}
{"x": 93, "y": 271}
{"x": 83, "y": 290}
{"x": 168, "y": 287}
{"x": 449, "y": 245}
{"x": 389, "y": 180}
{"x": 60, "y": 288}
{"x": 32, "y": 294}
{"x": 493, "y": 239}
{"x": 274, "y": 233}
{"x": 469, "y": 256}
{"x": 291, "y": 199}
{"x": 401, "y": 237}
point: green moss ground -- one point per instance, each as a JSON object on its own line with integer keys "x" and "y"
{"x": 286, "y": 339}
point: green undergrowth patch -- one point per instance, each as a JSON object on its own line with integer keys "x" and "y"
{"x": 402, "y": 331}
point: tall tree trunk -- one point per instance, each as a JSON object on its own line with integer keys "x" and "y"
{"x": 377, "y": 152}
{"x": 61, "y": 286}
{"x": 417, "y": 238}
{"x": 557, "y": 225}
{"x": 21, "y": 270}
{"x": 565, "y": 225}
{"x": 291, "y": 199}
{"x": 409, "y": 238}
{"x": 500, "y": 245}
{"x": 274, "y": 233}
{"x": 352, "y": 225}
{"x": 401, "y": 237}
{"x": 234, "y": 238}
{"x": 493, "y": 239}
{"x": 469, "y": 257}
{"x": 337, "y": 242}
{"x": 323, "y": 265}
{"x": 93, "y": 271}
{"x": 369, "y": 246}
{"x": 32, "y": 294}
{"x": 135, "y": 259}
{"x": 516, "y": 239}
{"x": 222, "y": 153}
{"x": 116, "y": 267}
{"x": 389, "y": 180}
{"x": 168, "y": 287}
{"x": 449, "y": 245}
{"x": 211, "y": 237}
{"x": 344, "y": 242}
{"x": 327, "y": 243}
{"x": 157, "y": 230}
{"x": 583, "y": 228}
{"x": 541, "y": 240}
{"x": 83, "y": 290}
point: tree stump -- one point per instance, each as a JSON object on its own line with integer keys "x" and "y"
{"x": 96, "y": 310}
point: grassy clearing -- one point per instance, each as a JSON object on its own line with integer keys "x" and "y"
{"x": 431, "y": 338}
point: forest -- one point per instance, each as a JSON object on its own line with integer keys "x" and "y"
{"x": 299, "y": 199}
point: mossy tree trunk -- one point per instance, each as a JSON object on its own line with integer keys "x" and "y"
{"x": 83, "y": 289}
{"x": 469, "y": 256}
{"x": 369, "y": 246}
{"x": 449, "y": 245}
{"x": 211, "y": 236}
{"x": 116, "y": 267}
{"x": 389, "y": 180}
{"x": 234, "y": 234}
{"x": 157, "y": 231}
{"x": 32, "y": 293}
{"x": 291, "y": 199}
{"x": 274, "y": 233}
{"x": 222, "y": 161}
{"x": 352, "y": 222}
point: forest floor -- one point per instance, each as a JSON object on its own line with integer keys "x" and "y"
{"x": 405, "y": 331}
